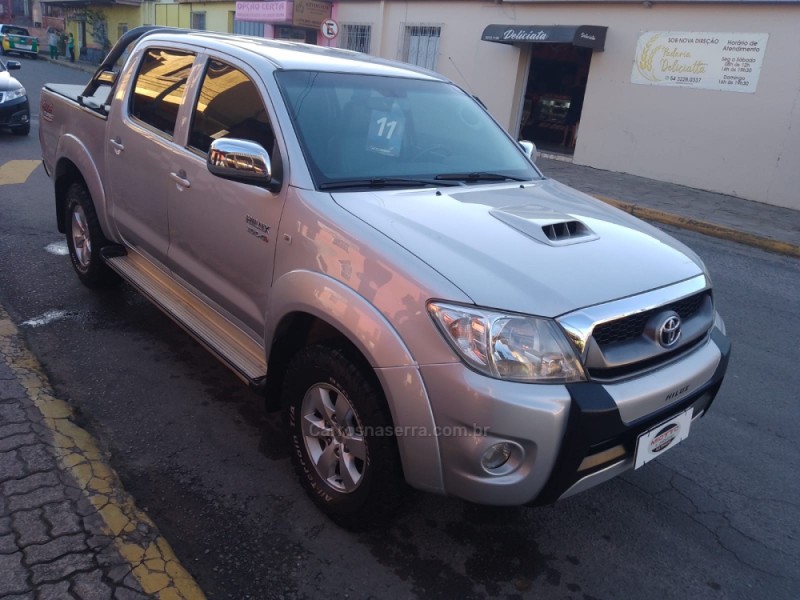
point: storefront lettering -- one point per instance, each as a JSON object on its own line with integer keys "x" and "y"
{"x": 675, "y": 53}
{"x": 586, "y": 36}
{"x": 697, "y": 67}
{"x": 513, "y": 34}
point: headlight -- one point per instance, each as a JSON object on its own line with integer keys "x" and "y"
{"x": 508, "y": 346}
{"x": 14, "y": 94}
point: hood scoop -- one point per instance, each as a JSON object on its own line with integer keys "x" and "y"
{"x": 545, "y": 225}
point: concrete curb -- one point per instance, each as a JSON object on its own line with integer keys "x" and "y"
{"x": 704, "y": 227}
{"x": 135, "y": 537}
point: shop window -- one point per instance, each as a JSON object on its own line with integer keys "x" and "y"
{"x": 122, "y": 29}
{"x": 248, "y": 28}
{"x": 421, "y": 45}
{"x": 159, "y": 88}
{"x": 295, "y": 34}
{"x": 356, "y": 37}
{"x": 199, "y": 20}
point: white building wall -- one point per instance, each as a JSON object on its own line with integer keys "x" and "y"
{"x": 742, "y": 144}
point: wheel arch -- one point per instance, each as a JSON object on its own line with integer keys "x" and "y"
{"x": 309, "y": 308}
{"x": 75, "y": 165}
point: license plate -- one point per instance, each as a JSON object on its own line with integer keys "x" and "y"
{"x": 654, "y": 442}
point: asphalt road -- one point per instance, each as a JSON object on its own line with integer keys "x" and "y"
{"x": 717, "y": 517}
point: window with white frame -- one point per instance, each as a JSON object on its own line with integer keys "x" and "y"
{"x": 199, "y": 20}
{"x": 421, "y": 45}
{"x": 356, "y": 37}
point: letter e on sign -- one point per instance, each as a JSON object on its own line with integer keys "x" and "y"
{"x": 329, "y": 29}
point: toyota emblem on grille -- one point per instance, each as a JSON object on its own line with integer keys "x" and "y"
{"x": 669, "y": 331}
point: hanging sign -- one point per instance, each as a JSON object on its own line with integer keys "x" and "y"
{"x": 729, "y": 62}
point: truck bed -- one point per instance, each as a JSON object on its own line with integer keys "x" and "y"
{"x": 68, "y": 90}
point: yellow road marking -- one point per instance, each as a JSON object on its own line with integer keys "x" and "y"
{"x": 17, "y": 171}
{"x": 136, "y": 538}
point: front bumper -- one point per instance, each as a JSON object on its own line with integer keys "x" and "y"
{"x": 567, "y": 438}
{"x": 15, "y": 113}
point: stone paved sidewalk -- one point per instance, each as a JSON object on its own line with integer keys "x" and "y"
{"x": 68, "y": 530}
{"x": 761, "y": 225}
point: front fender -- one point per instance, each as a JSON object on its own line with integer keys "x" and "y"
{"x": 360, "y": 322}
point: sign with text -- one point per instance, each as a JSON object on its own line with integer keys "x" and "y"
{"x": 264, "y": 12}
{"x": 311, "y": 13}
{"x": 729, "y": 62}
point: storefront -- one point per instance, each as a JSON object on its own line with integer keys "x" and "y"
{"x": 701, "y": 93}
{"x": 559, "y": 62}
{"x": 296, "y": 21}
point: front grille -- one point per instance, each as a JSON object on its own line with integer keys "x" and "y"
{"x": 631, "y": 327}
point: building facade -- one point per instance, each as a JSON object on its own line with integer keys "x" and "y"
{"x": 704, "y": 94}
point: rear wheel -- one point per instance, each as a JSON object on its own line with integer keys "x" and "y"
{"x": 85, "y": 239}
{"x": 343, "y": 444}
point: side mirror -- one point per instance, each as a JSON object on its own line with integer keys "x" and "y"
{"x": 529, "y": 148}
{"x": 13, "y": 65}
{"x": 240, "y": 160}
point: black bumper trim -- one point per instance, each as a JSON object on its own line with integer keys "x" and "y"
{"x": 594, "y": 424}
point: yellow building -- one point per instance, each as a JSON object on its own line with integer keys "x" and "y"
{"x": 94, "y": 24}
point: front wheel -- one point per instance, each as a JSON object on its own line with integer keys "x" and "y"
{"x": 343, "y": 444}
{"x": 85, "y": 239}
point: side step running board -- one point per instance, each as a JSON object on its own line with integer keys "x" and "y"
{"x": 244, "y": 356}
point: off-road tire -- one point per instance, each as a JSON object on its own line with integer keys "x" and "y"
{"x": 381, "y": 487}
{"x": 79, "y": 214}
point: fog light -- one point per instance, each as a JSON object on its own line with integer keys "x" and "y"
{"x": 496, "y": 456}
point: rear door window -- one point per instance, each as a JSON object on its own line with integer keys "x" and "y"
{"x": 160, "y": 87}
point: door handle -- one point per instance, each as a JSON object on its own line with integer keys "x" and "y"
{"x": 117, "y": 145}
{"x": 180, "y": 179}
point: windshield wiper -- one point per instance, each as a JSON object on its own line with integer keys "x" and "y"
{"x": 380, "y": 182}
{"x": 478, "y": 176}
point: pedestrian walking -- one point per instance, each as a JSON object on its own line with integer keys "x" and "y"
{"x": 71, "y": 48}
{"x": 52, "y": 41}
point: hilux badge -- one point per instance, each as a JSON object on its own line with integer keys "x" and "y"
{"x": 669, "y": 331}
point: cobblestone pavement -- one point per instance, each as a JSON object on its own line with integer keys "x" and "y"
{"x": 764, "y": 226}
{"x": 67, "y": 528}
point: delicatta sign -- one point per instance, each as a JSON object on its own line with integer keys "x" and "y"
{"x": 728, "y": 62}
{"x": 587, "y": 36}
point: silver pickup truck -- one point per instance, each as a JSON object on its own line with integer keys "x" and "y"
{"x": 362, "y": 243}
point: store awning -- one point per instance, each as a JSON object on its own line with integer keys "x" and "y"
{"x": 586, "y": 36}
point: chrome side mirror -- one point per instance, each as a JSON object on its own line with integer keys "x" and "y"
{"x": 529, "y": 148}
{"x": 240, "y": 160}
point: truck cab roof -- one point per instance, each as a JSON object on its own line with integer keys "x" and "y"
{"x": 294, "y": 55}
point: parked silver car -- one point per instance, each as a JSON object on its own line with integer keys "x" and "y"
{"x": 362, "y": 242}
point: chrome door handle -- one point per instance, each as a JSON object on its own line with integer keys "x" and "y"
{"x": 117, "y": 145}
{"x": 180, "y": 179}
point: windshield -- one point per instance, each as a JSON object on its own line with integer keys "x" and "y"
{"x": 374, "y": 129}
{"x": 15, "y": 30}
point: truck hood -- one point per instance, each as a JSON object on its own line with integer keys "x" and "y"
{"x": 539, "y": 248}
